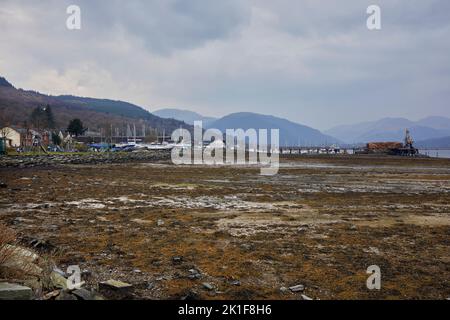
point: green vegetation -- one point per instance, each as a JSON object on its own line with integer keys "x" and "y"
{"x": 76, "y": 127}
{"x": 120, "y": 108}
{"x": 56, "y": 139}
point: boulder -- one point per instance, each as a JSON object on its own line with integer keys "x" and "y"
{"x": 57, "y": 280}
{"x": 21, "y": 259}
{"x": 83, "y": 294}
{"x": 66, "y": 295}
{"x": 11, "y": 291}
{"x": 115, "y": 289}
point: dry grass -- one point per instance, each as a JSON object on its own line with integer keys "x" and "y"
{"x": 7, "y": 239}
{"x": 16, "y": 262}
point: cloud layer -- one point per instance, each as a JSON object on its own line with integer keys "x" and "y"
{"x": 313, "y": 62}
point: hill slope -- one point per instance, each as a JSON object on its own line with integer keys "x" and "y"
{"x": 16, "y": 106}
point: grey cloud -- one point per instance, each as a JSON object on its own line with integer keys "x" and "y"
{"x": 165, "y": 26}
{"x": 310, "y": 61}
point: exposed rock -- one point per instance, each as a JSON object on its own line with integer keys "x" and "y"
{"x": 83, "y": 294}
{"x": 57, "y": 280}
{"x": 66, "y": 295}
{"x": 235, "y": 283}
{"x": 59, "y": 271}
{"x": 207, "y": 286}
{"x": 141, "y": 221}
{"x": 115, "y": 289}
{"x": 190, "y": 295}
{"x": 177, "y": 260}
{"x": 86, "y": 273}
{"x": 247, "y": 246}
{"x": 194, "y": 274}
{"x": 372, "y": 250}
{"x": 11, "y": 291}
{"x": 297, "y": 288}
{"x": 22, "y": 259}
{"x": 51, "y": 295}
{"x": 22, "y": 220}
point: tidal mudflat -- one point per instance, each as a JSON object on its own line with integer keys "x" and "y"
{"x": 229, "y": 233}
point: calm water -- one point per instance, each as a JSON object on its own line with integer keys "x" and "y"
{"x": 436, "y": 153}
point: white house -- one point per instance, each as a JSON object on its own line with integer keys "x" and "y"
{"x": 13, "y": 137}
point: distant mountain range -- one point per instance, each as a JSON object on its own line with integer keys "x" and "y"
{"x": 430, "y": 130}
{"x": 392, "y": 129}
{"x": 16, "y": 106}
{"x": 291, "y": 133}
{"x": 437, "y": 143}
{"x": 183, "y": 115}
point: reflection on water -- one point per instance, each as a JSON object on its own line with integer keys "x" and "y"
{"x": 436, "y": 153}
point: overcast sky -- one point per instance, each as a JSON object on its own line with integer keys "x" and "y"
{"x": 312, "y": 61}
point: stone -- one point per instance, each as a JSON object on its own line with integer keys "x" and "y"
{"x": 247, "y": 246}
{"x": 57, "y": 280}
{"x": 297, "y": 288}
{"x": 160, "y": 223}
{"x": 304, "y": 297}
{"x": 83, "y": 294}
{"x": 86, "y": 273}
{"x": 235, "y": 283}
{"x": 22, "y": 220}
{"x": 22, "y": 259}
{"x": 11, "y": 291}
{"x": 59, "y": 271}
{"x": 115, "y": 284}
{"x": 51, "y": 295}
{"x": 3, "y": 185}
{"x": 194, "y": 274}
{"x": 115, "y": 289}
{"x": 190, "y": 295}
{"x": 208, "y": 286}
{"x": 66, "y": 296}
{"x": 177, "y": 260}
